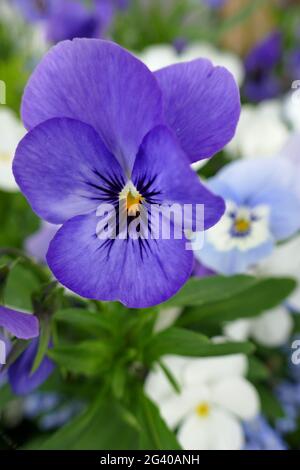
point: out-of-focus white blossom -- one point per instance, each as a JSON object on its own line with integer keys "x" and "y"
{"x": 167, "y": 317}
{"x": 285, "y": 261}
{"x": 162, "y": 55}
{"x": 271, "y": 329}
{"x": 261, "y": 131}
{"x": 12, "y": 132}
{"x": 291, "y": 109}
{"x": 214, "y": 398}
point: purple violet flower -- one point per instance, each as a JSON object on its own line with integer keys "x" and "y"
{"x": 72, "y": 19}
{"x": 292, "y": 64}
{"x": 104, "y": 129}
{"x": 38, "y": 243}
{"x": 36, "y": 10}
{"x": 20, "y": 377}
{"x": 5, "y": 348}
{"x": 214, "y": 3}
{"x": 261, "y": 82}
{"x": 261, "y": 209}
{"x": 68, "y": 19}
{"x": 19, "y": 324}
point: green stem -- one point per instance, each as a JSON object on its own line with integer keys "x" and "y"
{"x": 25, "y": 260}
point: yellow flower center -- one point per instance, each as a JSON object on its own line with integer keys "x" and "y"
{"x": 203, "y": 409}
{"x": 132, "y": 198}
{"x": 241, "y": 225}
{"x": 132, "y": 203}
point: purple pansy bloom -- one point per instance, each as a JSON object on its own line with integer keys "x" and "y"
{"x": 19, "y": 324}
{"x": 68, "y": 19}
{"x": 214, "y": 3}
{"x": 20, "y": 377}
{"x": 36, "y": 10}
{"x": 261, "y": 82}
{"x": 102, "y": 127}
{"x": 5, "y": 348}
{"x": 72, "y": 19}
{"x": 37, "y": 244}
{"x": 261, "y": 209}
{"x": 292, "y": 64}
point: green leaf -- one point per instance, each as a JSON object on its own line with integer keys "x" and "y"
{"x": 88, "y": 357}
{"x": 44, "y": 338}
{"x": 210, "y": 289}
{"x": 118, "y": 381}
{"x": 5, "y": 395}
{"x": 17, "y": 349}
{"x": 155, "y": 434}
{"x": 4, "y": 272}
{"x": 251, "y": 300}
{"x": 82, "y": 319}
{"x": 100, "y": 427}
{"x": 18, "y": 220}
{"x": 169, "y": 376}
{"x": 257, "y": 370}
{"x": 21, "y": 283}
{"x": 296, "y": 321}
{"x": 269, "y": 403}
{"x": 183, "y": 342}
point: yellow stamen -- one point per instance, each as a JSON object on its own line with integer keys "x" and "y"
{"x": 203, "y": 409}
{"x": 241, "y": 225}
{"x": 132, "y": 199}
{"x": 132, "y": 203}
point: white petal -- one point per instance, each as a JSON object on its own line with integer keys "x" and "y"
{"x": 176, "y": 407}
{"x": 7, "y": 180}
{"x": 261, "y": 131}
{"x": 291, "y": 150}
{"x": 193, "y": 434}
{"x": 238, "y": 330}
{"x": 291, "y": 109}
{"x": 12, "y": 132}
{"x": 236, "y": 395}
{"x": 226, "y": 431}
{"x": 198, "y": 165}
{"x": 219, "y": 431}
{"x": 285, "y": 261}
{"x": 159, "y": 56}
{"x": 273, "y": 328}
{"x": 213, "y": 369}
{"x": 157, "y": 385}
{"x": 166, "y": 318}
